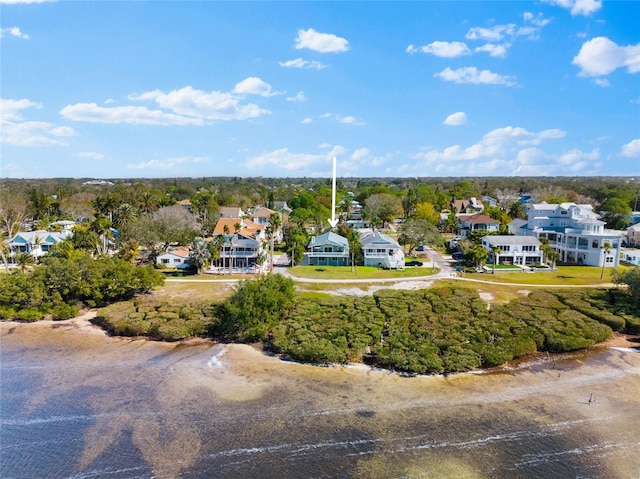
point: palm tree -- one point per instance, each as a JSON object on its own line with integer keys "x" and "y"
{"x": 124, "y": 216}
{"x": 273, "y": 226}
{"x": 5, "y": 249}
{"x": 215, "y": 247}
{"x": 516, "y": 210}
{"x": 606, "y": 248}
{"x": 553, "y": 256}
{"x": 479, "y": 255}
{"x": 236, "y": 229}
{"x": 495, "y": 253}
{"x": 130, "y": 251}
{"x": 199, "y": 255}
{"x": 24, "y": 261}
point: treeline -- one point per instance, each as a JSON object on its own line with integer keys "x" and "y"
{"x": 439, "y": 330}
{"x": 60, "y": 286}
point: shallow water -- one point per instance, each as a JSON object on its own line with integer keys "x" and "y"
{"x": 76, "y": 404}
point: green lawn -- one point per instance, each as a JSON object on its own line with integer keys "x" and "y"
{"x": 572, "y": 275}
{"x": 362, "y": 272}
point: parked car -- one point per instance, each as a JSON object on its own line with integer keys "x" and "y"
{"x": 457, "y": 256}
{"x": 415, "y": 262}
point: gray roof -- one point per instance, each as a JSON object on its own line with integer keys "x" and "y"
{"x": 329, "y": 237}
{"x": 378, "y": 238}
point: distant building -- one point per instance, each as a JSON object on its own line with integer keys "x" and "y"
{"x": 631, "y": 256}
{"x": 175, "y": 258}
{"x": 574, "y": 231}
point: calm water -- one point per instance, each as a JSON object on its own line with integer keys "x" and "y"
{"x": 77, "y": 404}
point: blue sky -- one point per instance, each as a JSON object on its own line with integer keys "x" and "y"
{"x": 118, "y": 89}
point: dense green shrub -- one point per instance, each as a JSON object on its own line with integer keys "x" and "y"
{"x": 64, "y": 311}
{"x": 30, "y": 314}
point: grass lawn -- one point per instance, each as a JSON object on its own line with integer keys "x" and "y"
{"x": 572, "y": 275}
{"x": 362, "y": 272}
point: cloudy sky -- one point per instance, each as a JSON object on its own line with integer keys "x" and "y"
{"x": 424, "y": 88}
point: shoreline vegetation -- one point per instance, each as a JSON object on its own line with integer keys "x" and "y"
{"x": 443, "y": 329}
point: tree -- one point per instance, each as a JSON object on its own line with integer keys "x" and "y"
{"x": 355, "y": 246}
{"x": 414, "y": 233}
{"x": 426, "y": 211}
{"x": 124, "y": 216}
{"x": 616, "y": 213}
{"x": 24, "y": 261}
{"x": 382, "y": 207}
{"x": 477, "y": 255}
{"x": 516, "y": 210}
{"x": 630, "y": 277}
{"x": 274, "y": 224}
{"x": 606, "y": 249}
{"x": 130, "y": 251}
{"x": 200, "y": 255}
{"x": 5, "y": 250}
{"x": 495, "y": 255}
{"x": 13, "y": 211}
{"x": 215, "y": 248}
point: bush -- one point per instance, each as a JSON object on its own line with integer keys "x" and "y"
{"x": 30, "y": 315}
{"x": 64, "y": 311}
{"x": 7, "y": 312}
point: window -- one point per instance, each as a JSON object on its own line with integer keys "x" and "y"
{"x": 175, "y": 260}
{"x": 595, "y": 244}
{"x": 528, "y": 248}
{"x": 165, "y": 261}
{"x": 505, "y": 248}
{"x": 609, "y": 259}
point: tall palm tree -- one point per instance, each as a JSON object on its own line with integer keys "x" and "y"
{"x": 606, "y": 249}
{"x": 215, "y": 247}
{"x": 516, "y": 210}
{"x": 274, "y": 224}
{"x": 199, "y": 255}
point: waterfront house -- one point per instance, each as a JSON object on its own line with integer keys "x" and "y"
{"x": 243, "y": 242}
{"x": 477, "y": 222}
{"x": 36, "y": 243}
{"x": 328, "y": 249}
{"x": 574, "y": 231}
{"x": 514, "y": 250}
{"x": 381, "y": 250}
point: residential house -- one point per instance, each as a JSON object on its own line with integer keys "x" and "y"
{"x": 470, "y": 206}
{"x": 243, "y": 242}
{"x": 175, "y": 258}
{"x": 488, "y": 200}
{"x": 231, "y": 212}
{"x": 632, "y": 236}
{"x": 36, "y": 243}
{"x": 261, "y": 215}
{"x": 381, "y": 250}
{"x": 477, "y": 222}
{"x": 328, "y": 249}
{"x": 574, "y": 231}
{"x": 631, "y": 256}
{"x": 186, "y": 204}
{"x": 283, "y": 208}
{"x": 515, "y": 250}
{"x": 515, "y": 226}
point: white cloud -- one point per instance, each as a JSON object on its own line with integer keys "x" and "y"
{"x": 442, "y": 49}
{"x": 600, "y": 56}
{"x": 34, "y": 133}
{"x": 473, "y": 75}
{"x": 306, "y": 121}
{"x": 171, "y": 163}
{"x": 347, "y": 120}
{"x": 10, "y": 109}
{"x": 299, "y": 97}
{"x": 321, "y": 42}
{"x": 254, "y": 86}
{"x": 456, "y": 119}
{"x": 537, "y": 20}
{"x": 300, "y": 63}
{"x": 631, "y": 149}
{"x": 603, "y": 82}
{"x": 495, "y": 50}
{"x": 360, "y": 153}
{"x": 578, "y": 7}
{"x": 16, "y": 132}
{"x": 14, "y": 32}
{"x": 92, "y": 155}
{"x": 133, "y": 115}
{"x": 499, "y": 32}
{"x": 284, "y": 159}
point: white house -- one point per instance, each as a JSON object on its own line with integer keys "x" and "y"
{"x": 516, "y": 250}
{"x": 328, "y": 249}
{"x": 630, "y": 256}
{"x": 36, "y": 243}
{"x": 381, "y": 250}
{"x": 574, "y": 231}
{"x": 175, "y": 258}
{"x": 476, "y": 222}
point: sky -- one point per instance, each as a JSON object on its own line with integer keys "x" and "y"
{"x": 140, "y": 89}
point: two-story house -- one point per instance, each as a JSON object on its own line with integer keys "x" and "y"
{"x": 328, "y": 249}
{"x": 574, "y": 231}
{"x": 243, "y": 242}
{"x": 477, "y": 222}
{"x": 471, "y": 206}
{"x": 381, "y": 250}
{"x": 516, "y": 250}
